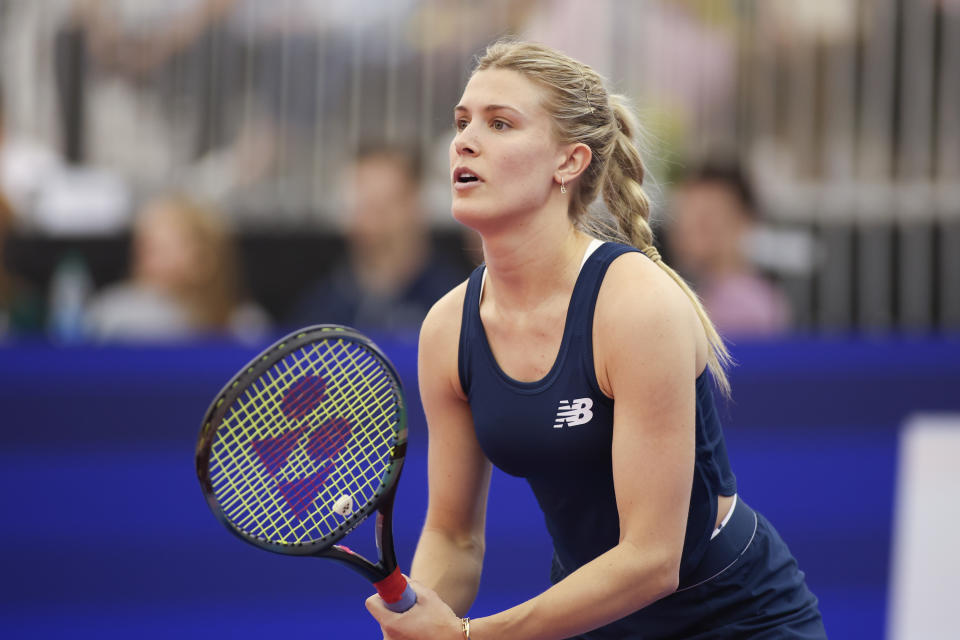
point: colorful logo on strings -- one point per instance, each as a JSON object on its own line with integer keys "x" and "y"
{"x": 323, "y": 443}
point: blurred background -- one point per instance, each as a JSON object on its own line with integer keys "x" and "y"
{"x": 182, "y": 181}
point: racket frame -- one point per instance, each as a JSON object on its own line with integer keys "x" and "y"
{"x": 327, "y": 547}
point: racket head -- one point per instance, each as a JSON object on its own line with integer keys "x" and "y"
{"x": 315, "y": 421}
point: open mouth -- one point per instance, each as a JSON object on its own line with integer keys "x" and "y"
{"x": 465, "y": 176}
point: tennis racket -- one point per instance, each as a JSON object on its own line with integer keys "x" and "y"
{"x": 303, "y": 444}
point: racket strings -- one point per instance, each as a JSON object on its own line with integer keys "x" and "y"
{"x": 262, "y": 395}
{"x": 299, "y": 463}
{"x": 294, "y": 500}
{"x": 303, "y": 396}
{"x": 306, "y": 485}
{"x": 316, "y": 426}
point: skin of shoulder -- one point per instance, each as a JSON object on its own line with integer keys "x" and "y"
{"x": 440, "y": 342}
{"x": 644, "y": 319}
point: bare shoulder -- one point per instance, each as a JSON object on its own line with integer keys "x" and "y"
{"x": 636, "y": 284}
{"x": 644, "y": 317}
{"x": 442, "y": 323}
{"x": 440, "y": 340}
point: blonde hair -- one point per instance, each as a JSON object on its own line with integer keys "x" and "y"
{"x": 212, "y": 296}
{"x": 583, "y": 111}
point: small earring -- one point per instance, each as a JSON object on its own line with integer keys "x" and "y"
{"x": 563, "y": 187}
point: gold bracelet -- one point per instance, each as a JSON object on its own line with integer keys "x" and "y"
{"x": 465, "y": 627}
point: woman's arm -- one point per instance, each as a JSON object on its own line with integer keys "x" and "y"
{"x": 449, "y": 555}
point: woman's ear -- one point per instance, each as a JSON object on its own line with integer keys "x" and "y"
{"x": 574, "y": 161}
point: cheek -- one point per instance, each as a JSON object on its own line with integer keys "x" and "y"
{"x": 527, "y": 170}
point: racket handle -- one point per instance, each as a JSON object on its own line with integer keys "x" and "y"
{"x": 396, "y": 592}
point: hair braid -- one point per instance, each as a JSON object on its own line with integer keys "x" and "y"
{"x": 630, "y": 207}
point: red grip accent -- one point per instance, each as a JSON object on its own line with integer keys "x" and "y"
{"x": 392, "y": 587}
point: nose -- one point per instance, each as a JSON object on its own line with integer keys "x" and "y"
{"x": 464, "y": 143}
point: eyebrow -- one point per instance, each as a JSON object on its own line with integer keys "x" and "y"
{"x": 491, "y": 107}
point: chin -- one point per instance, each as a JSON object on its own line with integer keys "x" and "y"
{"x": 489, "y": 217}
{"x": 469, "y": 214}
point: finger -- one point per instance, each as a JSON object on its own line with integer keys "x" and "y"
{"x": 376, "y": 608}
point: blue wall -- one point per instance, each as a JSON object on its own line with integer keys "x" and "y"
{"x": 104, "y": 532}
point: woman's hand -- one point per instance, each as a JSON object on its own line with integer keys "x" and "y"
{"x": 429, "y": 619}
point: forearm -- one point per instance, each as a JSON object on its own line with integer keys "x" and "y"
{"x": 450, "y": 567}
{"x": 606, "y": 589}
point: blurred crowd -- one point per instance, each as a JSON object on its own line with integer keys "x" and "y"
{"x": 184, "y": 279}
{"x": 714, "y": 216}
{"x": 147, "y": 145}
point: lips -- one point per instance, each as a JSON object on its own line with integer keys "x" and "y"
{"x": 465, "y": 176}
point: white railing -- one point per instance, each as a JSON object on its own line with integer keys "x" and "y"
{"x": 846, "y": 111}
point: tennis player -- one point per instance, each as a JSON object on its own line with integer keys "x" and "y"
{"x": 588, "y": 368}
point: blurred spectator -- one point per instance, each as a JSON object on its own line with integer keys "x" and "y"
{"x": 20, "y": 308}
{"x": 139, "y": 71}
{"x": 183, "y": 283}
{"x": 713, "y": 215}
{"x": 390, "y": 277}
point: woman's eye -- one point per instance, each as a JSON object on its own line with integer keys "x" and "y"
{"x": 499, "y": 125}
{"x": 460, "y": 124}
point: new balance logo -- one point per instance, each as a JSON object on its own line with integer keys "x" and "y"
{"x": 573, "y": 413}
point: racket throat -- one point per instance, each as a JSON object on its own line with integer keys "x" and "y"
{"x": 384, "y": 531}
{"x": 349, "y": 558}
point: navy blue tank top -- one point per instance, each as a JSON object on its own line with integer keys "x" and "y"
{"x": 557, "y": 432}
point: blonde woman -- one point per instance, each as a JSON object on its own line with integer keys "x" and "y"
{"x": 184, "y": 279}
{"x": 586, "y": 367}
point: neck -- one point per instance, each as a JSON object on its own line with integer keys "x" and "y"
{"x": 531, "y": 262}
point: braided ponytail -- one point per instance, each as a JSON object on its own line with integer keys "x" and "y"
{"x": 622, "y": 191}
{"x": 584, "y": 112}
{"x": 630, "y": 207}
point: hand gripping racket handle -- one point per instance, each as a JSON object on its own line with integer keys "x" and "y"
{"x": 397, "y": 594}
